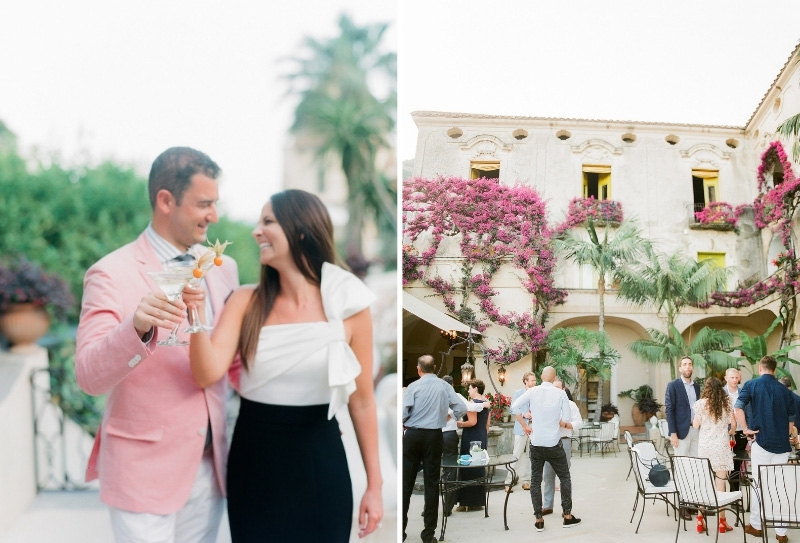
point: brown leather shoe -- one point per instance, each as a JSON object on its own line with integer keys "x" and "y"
{"x": 748, "y": 529}
{"x": 547, "y": 511}
{"x": 782, "y": 538}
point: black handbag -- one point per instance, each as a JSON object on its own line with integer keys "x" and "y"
{"x": 659, "y": 474}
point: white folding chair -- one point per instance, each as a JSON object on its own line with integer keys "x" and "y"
{"x": 777, "y": 492}
{"x": 630, "y": 442}
{"x": 605, "y": 439}
{"x": 663, "y": 427}
{"x": 667, "y": 494}
{"x": 694, "y": 480}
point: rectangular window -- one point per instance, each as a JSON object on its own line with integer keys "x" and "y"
{"x": 489, "y": 170}
{"x": 597, "y": 181}
{"x": 705, "y": 188}
{"x": 717, "y": 259}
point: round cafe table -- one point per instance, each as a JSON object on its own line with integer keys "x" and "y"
{"x": 446, "y": 487}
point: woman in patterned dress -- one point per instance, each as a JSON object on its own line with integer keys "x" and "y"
{"x": 713, "y": 415}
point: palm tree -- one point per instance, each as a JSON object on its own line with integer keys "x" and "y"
{"x": 710, "y": 348}
{"x": 606, "y": 256}
{"x": 670, "y": 283}
{"x": 571, "y": 350}
{"x": 338, "y": 107}
{"x": 790, "y": 129}
{"x": 754, "y": 348}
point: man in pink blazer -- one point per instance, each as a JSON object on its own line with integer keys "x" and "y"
{"x": 161, "y": 473}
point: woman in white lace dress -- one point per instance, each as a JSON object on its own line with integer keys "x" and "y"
{"x": 713, "y": 415}
{"x": 304, "y": 337}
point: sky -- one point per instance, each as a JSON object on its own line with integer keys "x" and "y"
{"x": 89, "y": 80}
{"x": 681, "y": 61}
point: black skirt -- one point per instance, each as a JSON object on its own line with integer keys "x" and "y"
{"x": 287, "y": 476}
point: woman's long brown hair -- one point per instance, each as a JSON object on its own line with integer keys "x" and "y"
{"x": 717, "y": 400}
{"x": 307, "y": 225}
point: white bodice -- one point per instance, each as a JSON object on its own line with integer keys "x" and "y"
{"x": 310, "y": 363}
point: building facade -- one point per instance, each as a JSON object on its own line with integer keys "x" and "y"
{"x": 659, "y": 173}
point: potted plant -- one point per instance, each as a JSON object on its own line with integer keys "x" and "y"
{"x": 29, "y": 298}
{"x": 608, "y": 411}
{"x": 499, "y": 405}
{"x": 644, "y": 404}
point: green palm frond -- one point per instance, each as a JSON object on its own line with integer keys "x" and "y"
{"x": 790, "y": 129}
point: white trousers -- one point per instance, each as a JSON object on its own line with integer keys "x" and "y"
{"x": 197, "y": 522}
{"x": 760, "y": 457}
{"x": 688, "y": 445}
{"x": 523, "y": 464}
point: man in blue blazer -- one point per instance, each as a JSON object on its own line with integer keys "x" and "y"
{"x": 681, "y": 395}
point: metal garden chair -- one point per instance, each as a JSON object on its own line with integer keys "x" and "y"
{"x": 668, "y": 494}
{"x": 777, "y": 492}
{"x": 694, "y": 480}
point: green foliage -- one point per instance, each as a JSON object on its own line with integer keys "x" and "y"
{"x": 643, "y": 398}
{"x": 754, "y": 348}
{"x": 709, "y": 348}
{"x": 670, "y": 282}
{"x": 243, "y": 248}
{"x": 85, "y": 410}
{"x": 67, "y": 219}
{"x": 351, "y": 124}
{"x": 573, "y": 349}
{"x": 790, "y": 130}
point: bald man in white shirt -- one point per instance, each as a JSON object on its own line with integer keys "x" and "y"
{"x": 551, "y": 412}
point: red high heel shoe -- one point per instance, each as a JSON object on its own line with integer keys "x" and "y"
{"x": 701, "y": 525}
{"x": 724, "y": 526}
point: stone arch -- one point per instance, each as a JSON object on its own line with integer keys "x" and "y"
{"x": 775, "y": 248}
{"x": 751, "y": 324}
{"x": 630, "y": 372}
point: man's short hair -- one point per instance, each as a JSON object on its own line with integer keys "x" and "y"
{"x": 477, "y": 383}
{"x": 787, "y": 381}
{"x": 426, "y": 364}
{"x": 526, "y": 375}
{"x": 769, "y": 363}
{"x": 173, "y": 169}
{"x": 730, "y": 370}
{"x": 448, "y": 379}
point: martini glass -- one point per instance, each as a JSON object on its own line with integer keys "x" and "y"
{"x": 204, "y": 264}
{"x": 171, "y": 284}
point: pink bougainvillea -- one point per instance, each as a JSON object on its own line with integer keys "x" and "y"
{"x": 493, "y": 225}
{"x": 716, "y": 213}
{"x": 582, "y": 209}
{"x": 774, "y": 207}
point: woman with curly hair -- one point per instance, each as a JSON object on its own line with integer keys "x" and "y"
{"x": 713, "y": 415}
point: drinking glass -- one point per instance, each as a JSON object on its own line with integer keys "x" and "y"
{"x": 187, "y": 268}
{"x": 171, "y": 284}
{"x": 732, "y": 442}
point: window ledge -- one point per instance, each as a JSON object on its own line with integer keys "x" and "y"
{"x": 720, "y": 226}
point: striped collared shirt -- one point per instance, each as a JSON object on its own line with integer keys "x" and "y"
{"x": 166, "y": 251}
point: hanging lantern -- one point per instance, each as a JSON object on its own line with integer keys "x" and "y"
{"x": 466, "y": 371}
